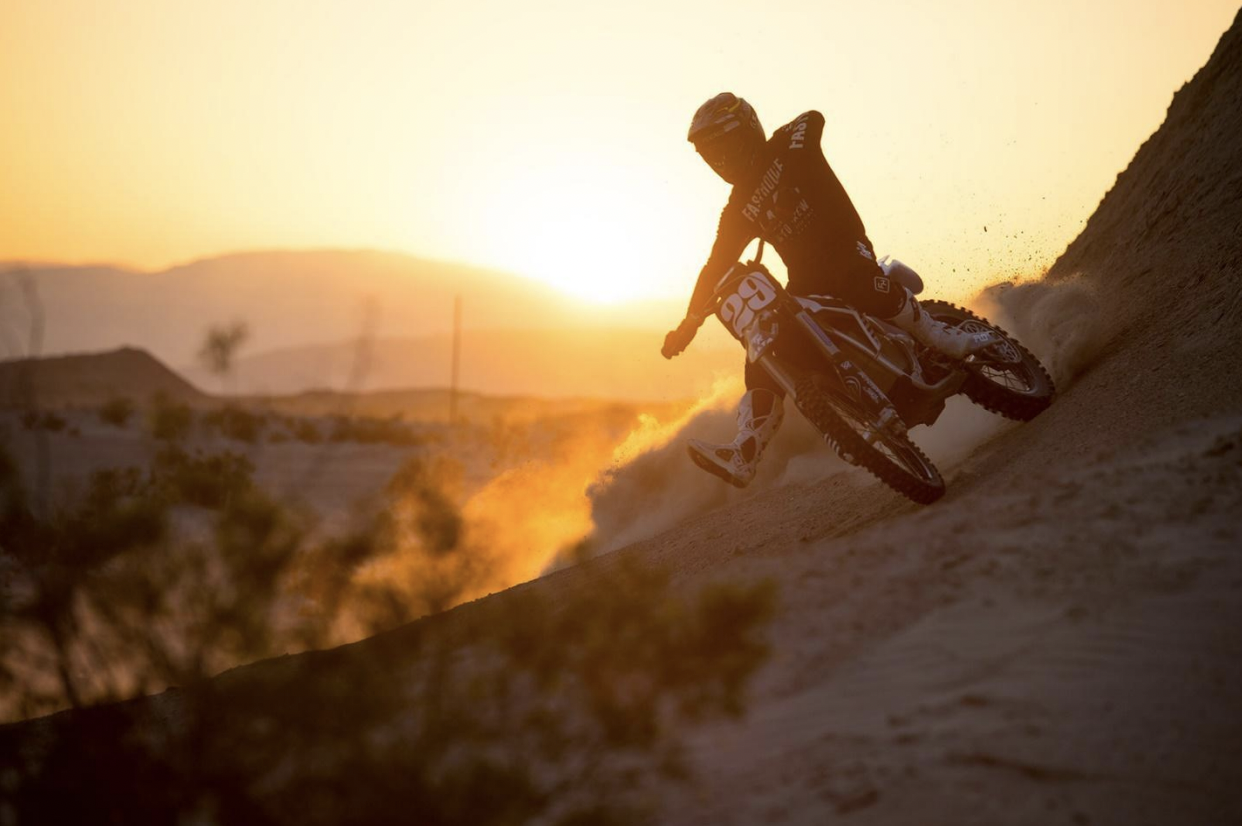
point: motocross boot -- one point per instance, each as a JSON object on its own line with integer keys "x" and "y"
{"x": 953, "y": 342}
{"x": 759, "y": 414}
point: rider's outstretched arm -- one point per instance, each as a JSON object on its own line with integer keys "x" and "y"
{"x": 733, "y": 233}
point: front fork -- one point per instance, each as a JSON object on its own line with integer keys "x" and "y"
{"x": 886, "y": 417}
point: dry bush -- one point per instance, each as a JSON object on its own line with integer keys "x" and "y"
{"x": 116, "y": 412}
{"x": 106, "y": 598}
{"x": 527, "y": 710}
{"x": 562, "y": 707}
{"x": 44, "y": 420}
{"x": 367, "y": 430}
{"x": 168, "y": 419}
{"x": 304, "y": 430}
{"x": 208, "y": 480}
{"x": 236, "y": 423}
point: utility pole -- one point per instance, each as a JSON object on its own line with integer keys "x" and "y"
{"x": 456, "y": 359}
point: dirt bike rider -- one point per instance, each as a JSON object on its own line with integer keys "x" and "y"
{"x": 785, "y": 192}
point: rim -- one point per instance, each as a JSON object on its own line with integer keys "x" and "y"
{"x": 896, "y": 451}
{"x": 1002, "y": 363}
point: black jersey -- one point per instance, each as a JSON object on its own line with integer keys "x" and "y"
{"x": 793, "y": 201}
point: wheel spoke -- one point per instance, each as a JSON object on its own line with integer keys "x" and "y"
{"x": 875, "y": 438}
{"x": 1005, "y": 377}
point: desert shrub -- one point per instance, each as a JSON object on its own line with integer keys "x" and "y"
{"x": 52, "y": 561}
{"x": 364, "y": 430}
{"x": 220, "y": 346}
{"x": 111, "y": 595}
{"x": 304, "y": 430}
{"x": 236, "y": 423}
{"x": 557, "y": 709}
{"x": 43, "y": 420}
{"x": 116, "y": 411}
{"x": 530, "y": 707}
{"x": 434, "y": 517}
{"x": 207, "y": 480}
{"x": 565, "y": 709}
{"x": 169, "y": 420}
{"x": 113, "y": 513}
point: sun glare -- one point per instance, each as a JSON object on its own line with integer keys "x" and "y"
{"x": 592, "y": 231}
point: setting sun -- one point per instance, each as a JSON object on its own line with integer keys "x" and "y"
{"x": 602, "y": 232}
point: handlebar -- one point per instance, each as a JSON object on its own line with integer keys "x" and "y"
{"x": 725, "y": 284}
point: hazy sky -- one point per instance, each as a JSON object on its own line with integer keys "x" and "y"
{"x": 548, "y": 138}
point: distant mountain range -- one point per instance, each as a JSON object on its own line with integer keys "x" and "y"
{"x": 290, "y": 301}
{"x": 357, "y": 321}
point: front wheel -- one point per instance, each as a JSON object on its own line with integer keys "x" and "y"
{"x": 1005, "y": 378}
{"x": 859, "y": 440}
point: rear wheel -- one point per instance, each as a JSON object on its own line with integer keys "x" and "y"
{"x": 893, "y": 459}
{"x": 1005, "y": 378}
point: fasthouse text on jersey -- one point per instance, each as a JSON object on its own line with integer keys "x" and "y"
{"x": 766, "y": 186}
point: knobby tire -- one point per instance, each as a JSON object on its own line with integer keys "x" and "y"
{"x": 983, "y": 391}
{"x": 820, "y": 409}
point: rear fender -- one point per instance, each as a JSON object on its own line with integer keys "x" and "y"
{"x": 902, "y": 274}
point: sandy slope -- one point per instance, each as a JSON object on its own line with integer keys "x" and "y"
{"x": 1065, "y": 646}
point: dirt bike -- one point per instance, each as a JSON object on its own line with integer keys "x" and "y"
{"x": 862, "y": 382}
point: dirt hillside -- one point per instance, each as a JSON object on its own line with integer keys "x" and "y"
{"x": 1057, "y": 641}
{"x": 90, "y": 379}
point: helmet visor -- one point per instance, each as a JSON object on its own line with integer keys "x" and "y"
{"x": 726, "y": 153}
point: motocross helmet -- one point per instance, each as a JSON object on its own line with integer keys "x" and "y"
{"x": 727, "y": 134}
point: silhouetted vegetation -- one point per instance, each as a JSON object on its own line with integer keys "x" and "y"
{"x": 220, "y": 346}
{"x": 236, "y": 423}
{"x": 108, "y": 598}
{"x": 207, "y": 480}
{"x": 116, "y": 412}
{"x": 521, "y": 708}
{"x": 304, "y": 430}
{"x": 391, "y": 431}
{"x": 44, "y": 420}
{"x": 169, "y": 420}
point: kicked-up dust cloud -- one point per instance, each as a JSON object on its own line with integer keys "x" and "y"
{"x": 515, "y": 494}
{"x": 1059, "y": 321}
{"x": 653, "y": 485}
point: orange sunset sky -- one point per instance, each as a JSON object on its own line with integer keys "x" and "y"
{"x": 547, "y": 138}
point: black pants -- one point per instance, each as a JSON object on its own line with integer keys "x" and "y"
{"x": 855, "y": 279}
